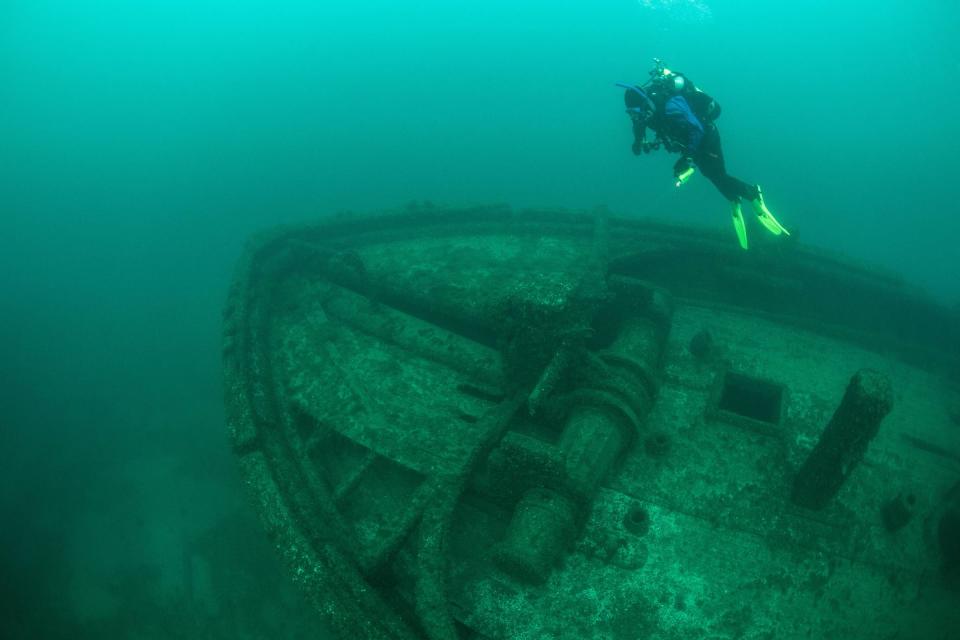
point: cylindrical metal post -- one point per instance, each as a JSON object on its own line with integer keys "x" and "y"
{"x": 542, "y": 525}
{"x": 841, "y": 447}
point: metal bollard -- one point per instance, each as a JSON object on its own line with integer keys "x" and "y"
{"x": 867, "y": 401}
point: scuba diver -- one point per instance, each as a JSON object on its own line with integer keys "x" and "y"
{"x": 682, "y": 118}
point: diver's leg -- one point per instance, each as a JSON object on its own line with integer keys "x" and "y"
{"x": 712, "y": 168}
{"x": 710, "y": 161}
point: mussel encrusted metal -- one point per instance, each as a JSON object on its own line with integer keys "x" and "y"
{"x": 487, "y": 423}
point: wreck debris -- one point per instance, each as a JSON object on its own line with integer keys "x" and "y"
{"x": 868, "y": 399}
{"x": 898, "y": 511}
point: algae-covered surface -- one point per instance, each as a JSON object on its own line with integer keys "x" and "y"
{"x": 489, "y": 423}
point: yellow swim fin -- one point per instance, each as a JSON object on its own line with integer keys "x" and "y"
{"x": 765, "y": 217}
{"x": 738, "y": 223}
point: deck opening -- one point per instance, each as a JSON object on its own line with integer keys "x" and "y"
{"x": 751, "y": 398}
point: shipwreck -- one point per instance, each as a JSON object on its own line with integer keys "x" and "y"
{"x": 485, "y": 423}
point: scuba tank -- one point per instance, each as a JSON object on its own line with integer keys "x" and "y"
{"x": 670, "y": 83}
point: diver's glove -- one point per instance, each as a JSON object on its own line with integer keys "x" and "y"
{"x": 683, "y": 170}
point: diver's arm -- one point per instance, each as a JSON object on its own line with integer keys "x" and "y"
{"x": 639, "y": 135}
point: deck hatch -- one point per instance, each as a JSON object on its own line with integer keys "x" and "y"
{"x": 751, "y": 398}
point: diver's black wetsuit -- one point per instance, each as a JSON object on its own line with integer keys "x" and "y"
{"x": 684, "y": 122}
{"x": 709, "y": 158}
